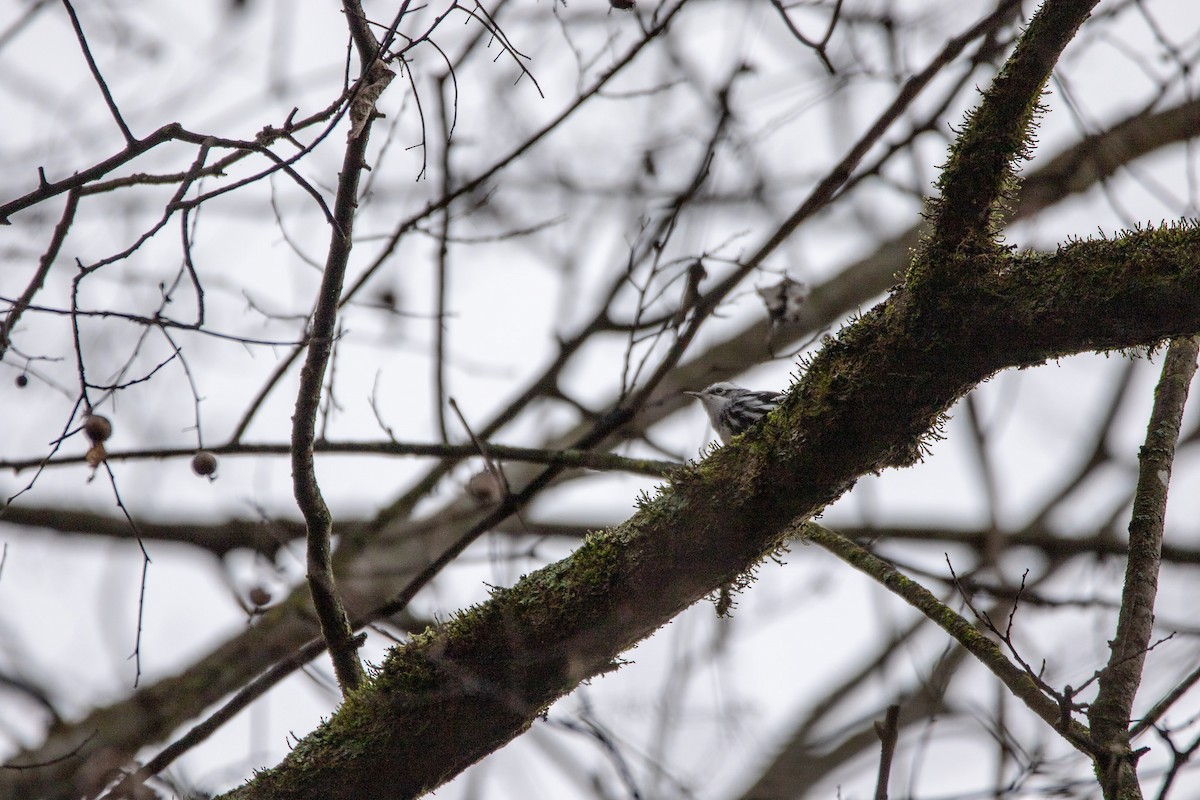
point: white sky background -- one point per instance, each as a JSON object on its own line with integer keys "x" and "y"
{"x": 68, "y": 606}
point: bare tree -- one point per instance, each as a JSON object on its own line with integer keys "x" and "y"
{"x": 437, "y": 278}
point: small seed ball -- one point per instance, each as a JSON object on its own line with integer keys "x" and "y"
{"x": 204, "y": 463}
{"x": 259, "y": 596}
{"x": 22, "y": 381}
{"x": 97, "y": 427}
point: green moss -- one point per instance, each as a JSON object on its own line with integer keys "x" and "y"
{"x": 408, "y": 669}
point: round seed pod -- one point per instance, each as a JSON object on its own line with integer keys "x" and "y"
{"x": 204, "y": 463}
{"x": 97, "y": 428}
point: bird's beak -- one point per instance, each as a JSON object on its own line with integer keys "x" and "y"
{"x": 693, "y": 394}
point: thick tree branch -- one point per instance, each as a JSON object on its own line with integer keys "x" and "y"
{"x": 982, "y": 161}
{"x": 866, "y": 403}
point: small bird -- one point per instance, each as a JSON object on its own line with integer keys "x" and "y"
{"x": 733, "y": 409}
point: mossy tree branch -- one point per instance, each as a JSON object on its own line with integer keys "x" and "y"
{"x": 869, "y": 401}
{"x": 980, "y": 173}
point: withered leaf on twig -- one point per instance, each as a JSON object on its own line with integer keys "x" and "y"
{"x": 363, "y": 105}
{"x": 784, "y": 299}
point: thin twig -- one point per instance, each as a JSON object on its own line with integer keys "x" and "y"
{"x": 20, "y": 305}
{"x": 489, "y": 463}
{"x": 157, "y": 321}
{"x": 443, "y": 262}
{"x": 169, "y": 210}
{"x": 817, "y": 47}
{"x": 136, "y": 655}
{"x": 1151, "y": 717}
{"x": 87, "y": 53}
{"x": 175, "y": 132}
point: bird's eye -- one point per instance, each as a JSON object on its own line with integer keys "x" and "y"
{"x": 718, "y": 390}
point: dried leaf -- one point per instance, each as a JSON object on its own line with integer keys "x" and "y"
{"x": 784, "y": 300}
{"x": 363, "y": 105}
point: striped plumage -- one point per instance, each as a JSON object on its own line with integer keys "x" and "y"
{"x": 733, "y": 409}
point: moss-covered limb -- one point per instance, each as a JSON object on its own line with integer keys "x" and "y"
{"x": 980, "y": 169}
{"x": 1119, "y": 681}
{"x": 976, "y": 642}
{"x": 867, "y": 402}
{"x": 887, "y": 378}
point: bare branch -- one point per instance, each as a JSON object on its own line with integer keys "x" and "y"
{"x": 335, "y": 625}
{"x": 1119, "y": 681}
{"x": 567, "y": 459}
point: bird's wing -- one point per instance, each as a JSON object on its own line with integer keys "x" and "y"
{"x": 768, "y": 398}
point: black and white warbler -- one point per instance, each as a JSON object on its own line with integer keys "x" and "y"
{"x": 733, "y": 409}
